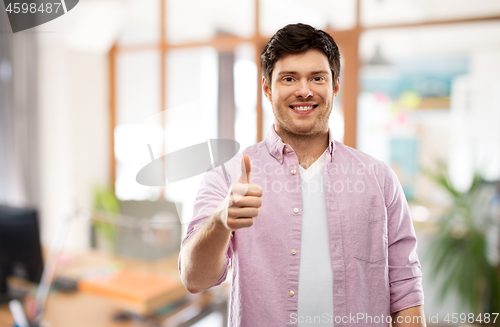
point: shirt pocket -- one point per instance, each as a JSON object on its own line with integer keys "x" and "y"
{"x": 369, "y": 232}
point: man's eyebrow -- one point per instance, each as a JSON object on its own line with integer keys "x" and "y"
{"x": 289, "y": 72}
{"x": 286, "y": 72}
{"x": 320, "y": 72}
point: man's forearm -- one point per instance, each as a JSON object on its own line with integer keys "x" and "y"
{"x": 203, "y": 255}
{"x": 411, "y": 317}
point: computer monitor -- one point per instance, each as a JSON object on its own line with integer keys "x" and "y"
{"x": 20, "y": 249}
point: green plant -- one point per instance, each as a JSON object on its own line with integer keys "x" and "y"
{"x": 459, "y": 252}
{"x": 106, "y": 201}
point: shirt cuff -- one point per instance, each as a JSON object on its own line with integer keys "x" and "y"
{"x": 406, "y": 294}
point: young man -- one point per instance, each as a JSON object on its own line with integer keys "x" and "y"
{"x": 317, "y": 233}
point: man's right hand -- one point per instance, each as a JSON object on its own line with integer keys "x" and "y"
{"x": 243, "y": 201}
{"x": 203, "y": 255}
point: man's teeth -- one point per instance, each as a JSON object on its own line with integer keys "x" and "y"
{"x": 304, "y": 108}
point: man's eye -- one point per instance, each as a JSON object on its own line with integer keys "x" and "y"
{"x": 288, "y": 79}
{"x": 319, "y": 79}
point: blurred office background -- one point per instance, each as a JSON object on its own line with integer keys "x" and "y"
{"x": 82, "y": 96}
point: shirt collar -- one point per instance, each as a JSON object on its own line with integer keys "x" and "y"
{"x": 277, "y": 148}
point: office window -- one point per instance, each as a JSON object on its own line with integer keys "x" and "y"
{"x": 425, "y": 97}
{"x": 245, "y": 95}
{"x": 138, "y": 97}
{"x": 191, "y": 115}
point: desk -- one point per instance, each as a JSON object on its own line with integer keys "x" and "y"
{"x": 78, "y": 309}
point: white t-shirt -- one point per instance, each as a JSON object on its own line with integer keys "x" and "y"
{"x": 315, "y": 298}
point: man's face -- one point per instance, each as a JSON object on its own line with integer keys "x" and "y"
{"x": 301, "y": 93}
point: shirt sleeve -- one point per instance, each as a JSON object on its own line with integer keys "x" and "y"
{"x": 213, "y": 190}
{"x": 405, "y": 275}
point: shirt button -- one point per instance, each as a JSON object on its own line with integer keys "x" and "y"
{"x": 338, "y": 288}
{"x": 287, "y": 149}
{"x": 294, "y": 252}
{"x": 335, "y": 246}
{"x": 291, "y": 293}
{"x": 293, "y": 171}
{"x": 296, "y": 210}
{"x": 279, "y": 157}
{"x": 332, "y": 206}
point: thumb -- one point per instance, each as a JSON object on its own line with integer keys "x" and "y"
{"x": 246, "y": 168}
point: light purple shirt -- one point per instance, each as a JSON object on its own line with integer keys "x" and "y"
{"x": 373, "y": 247}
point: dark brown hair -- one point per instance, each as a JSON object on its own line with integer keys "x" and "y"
{"x": 297, "y": 39}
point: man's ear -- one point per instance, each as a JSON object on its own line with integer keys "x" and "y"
{"x": 336, "y": 88}
{"x": 266, "y": 88}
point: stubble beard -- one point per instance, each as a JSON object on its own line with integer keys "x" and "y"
{"x": 287, "y": 125}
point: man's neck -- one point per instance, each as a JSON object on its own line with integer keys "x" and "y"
{"x": 308, "y": 148}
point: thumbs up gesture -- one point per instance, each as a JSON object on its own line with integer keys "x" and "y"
{"x": 243, "y": 201}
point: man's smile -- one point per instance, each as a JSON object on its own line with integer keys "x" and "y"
{"x": 303, "y": 108}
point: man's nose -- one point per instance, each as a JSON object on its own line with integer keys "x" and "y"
{"x": 303, "y": 90}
